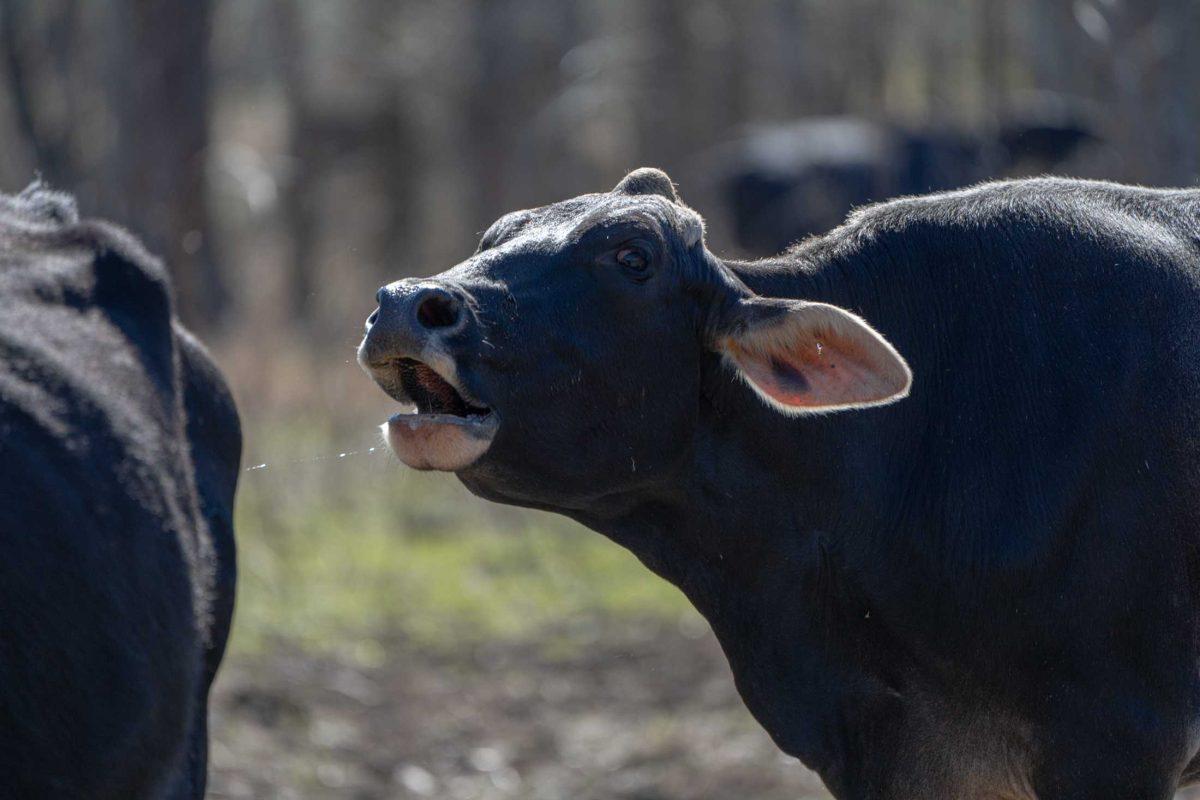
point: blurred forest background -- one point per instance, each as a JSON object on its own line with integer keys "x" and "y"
{"x": 396, "y": 638}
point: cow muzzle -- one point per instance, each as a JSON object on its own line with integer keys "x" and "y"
{"x": 407, "y": 350}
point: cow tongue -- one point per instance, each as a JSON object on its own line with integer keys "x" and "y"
{"x": 430, "y": 392}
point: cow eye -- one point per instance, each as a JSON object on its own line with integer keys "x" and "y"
{"x": 634, "y": 259}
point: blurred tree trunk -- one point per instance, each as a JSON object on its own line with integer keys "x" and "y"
{"x": 162, "y": 107}
{"x": 399, "y": 152}
{"x": 301, "y": 194}
{"x": 1181, "y": 23}
{"x": 669, "y": 127}
{"x": 732, "y": 74}
{"x": 491, "y": 95}
{"x": 48, "y": 140}
{"x": 1050, "y": 32}
{"x": 993, "y": 40}
{"x": 874, "y": 44}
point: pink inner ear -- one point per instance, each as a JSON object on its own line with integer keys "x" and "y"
{"x": 803, "y": 368}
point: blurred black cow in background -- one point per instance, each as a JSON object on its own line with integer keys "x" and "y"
{"x": 783, "y": 183}
{"x": 119, "y": 452}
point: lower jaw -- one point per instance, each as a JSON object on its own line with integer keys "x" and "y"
{"x": 440, "y": 441}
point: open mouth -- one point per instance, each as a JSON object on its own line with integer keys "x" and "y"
{"x": 448, "y": 430}
{"x": 433, "y": 394}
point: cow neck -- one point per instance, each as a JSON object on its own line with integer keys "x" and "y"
{"x": 771, "y": 587}
{"x": 757, "y": 532}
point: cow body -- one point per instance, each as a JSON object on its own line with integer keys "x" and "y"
{"x": 986, "y": 589}
{"x": 120, "y": 449}
{"x": 1007, "y": 558}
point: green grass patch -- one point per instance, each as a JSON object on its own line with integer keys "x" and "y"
{"x": 342, "y": 553}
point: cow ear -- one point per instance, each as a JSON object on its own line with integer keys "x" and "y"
{"x": 805, "y": 358}
{"x": 648, "y": 180}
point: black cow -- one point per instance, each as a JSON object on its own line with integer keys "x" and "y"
{"x": 785, "y": 182}
{"x": 119, "y": 451}
{"x": 988, "y": 588}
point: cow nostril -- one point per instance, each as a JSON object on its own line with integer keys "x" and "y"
{"x": 438, "y": 309}
{"x": 373, "y": 318}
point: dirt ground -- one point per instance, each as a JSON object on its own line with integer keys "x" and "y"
{"x": 646, "y": 712}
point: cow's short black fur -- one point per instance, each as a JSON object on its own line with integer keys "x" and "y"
{"x": 119, "y": 452}
{"x": 988, "y": 589}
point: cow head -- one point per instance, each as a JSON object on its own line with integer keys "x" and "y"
{"x": 563, "y": 362}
